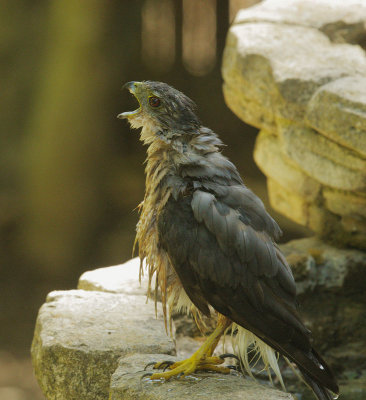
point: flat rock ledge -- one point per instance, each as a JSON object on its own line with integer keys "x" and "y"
{"x": 122, "y": 279}
{"x": 93, "y": 345}
{"x": 126, "y": 384}
{"x": 80, "y": 335}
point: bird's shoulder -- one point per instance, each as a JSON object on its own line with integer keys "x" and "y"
{"x": 208, "y": 174}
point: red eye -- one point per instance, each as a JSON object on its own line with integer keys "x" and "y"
{"x": 154, "y": 101}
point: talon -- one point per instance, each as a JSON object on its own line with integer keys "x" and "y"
{"x": 150, "y": 363}
{"x": 146, "y": 375}
{"x": 168, "y": 364}
{"x": 201, "y": 360}
{"x": 229, "y": 355}
{"x": 234, "y": 367}
{"x": 165, "y": 364}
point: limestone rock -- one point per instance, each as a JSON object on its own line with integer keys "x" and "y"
{"x": 345, "y": 203}
{"x": 80, "y": 335}
{"x": 333, "y": 18}
{"x": 126, "y": 384}
{"x": 353, "y": 232}
{"x": 322, "y": 265}
{"x": 122, "y": 279}
{"x": 325, "y": 161}
{"x": 290, "y": 69}
{"x": 274, "y": 164}
{"x": 295, "y": 207}
{"x": 331, "y": 284}
{"x": 343, "y": 102}
{"x": 254, "y": 104}
{"x": 265, "y": 79}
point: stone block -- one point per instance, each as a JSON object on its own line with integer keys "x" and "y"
{"x": 353, "y": 232}
{"x": 338, "y": 111}
{"x": 290, "y": 69}
{"x": 123, "y": 279}
{"x": 338, "y": 22}
{"x": 253, "y": 73}
{"x": 126, "y": 384}
{"x": 345, "y": 203}
{"x": 331, "y": 283}
{"x": 80, "y": 335}
{"x": 276, "y": 165}
{"x": 324, "y": 160}
{"x": 279, "y": 67}
{"x": 295, "y": 207}
{"x": 316, "y": 264}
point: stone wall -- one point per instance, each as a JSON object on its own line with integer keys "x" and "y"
{"x": 331, "y": 287}
{"x": 94, "y": 342}
{"x": 296, "y": 69}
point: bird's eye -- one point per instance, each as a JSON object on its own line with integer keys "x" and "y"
{"x": 154, "y": 101}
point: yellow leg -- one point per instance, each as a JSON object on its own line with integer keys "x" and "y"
{"x": 200, "y": 360}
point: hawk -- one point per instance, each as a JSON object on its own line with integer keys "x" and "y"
{"x": 210, "y": 244}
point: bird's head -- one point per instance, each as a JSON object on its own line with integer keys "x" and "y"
{"x": 162, "y": 110}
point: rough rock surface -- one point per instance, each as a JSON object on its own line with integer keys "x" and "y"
{"x": 297, "y": 70}
{"x": 80, "y": 335}
{"x": 85, "y": 337}
{"x": 123, "y": 279}
{"x": 316, "y": 264}
{"x": 323, "y": 15}
{"x": 331, "y": 284}
{"x": 344, "y": 103}
{"x": 126, "y": 384}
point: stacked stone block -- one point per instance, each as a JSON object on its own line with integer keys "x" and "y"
{"x": 297, "y": 71}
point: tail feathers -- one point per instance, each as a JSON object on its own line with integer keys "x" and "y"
{"x": 333, "y": 386}
{"x": 320, "y": 391}
{"x": 315, "y": 373}
{"x": 315, "y": 370}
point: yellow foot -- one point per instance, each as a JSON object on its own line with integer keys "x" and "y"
{"x": 197, "y": 362}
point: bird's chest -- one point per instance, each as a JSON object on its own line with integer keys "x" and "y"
{"x": 156, "y": 196}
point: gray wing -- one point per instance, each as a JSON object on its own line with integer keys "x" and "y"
{"x": 221, "y": 251}
{"x": 215, "y": 174}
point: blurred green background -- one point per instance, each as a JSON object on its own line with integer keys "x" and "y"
{"x": 72, "y": 174}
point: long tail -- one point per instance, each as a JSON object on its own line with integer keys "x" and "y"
{"x": 320, "y": 391}
{"x": 316, "y": 373}
{"x": 313, "y": 368}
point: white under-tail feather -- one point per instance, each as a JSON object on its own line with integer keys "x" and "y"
{"x": 245, "y": 342}
{"x": 180, "y": 302}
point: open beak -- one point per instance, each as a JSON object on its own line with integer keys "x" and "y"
{"x": 131, "y": 86}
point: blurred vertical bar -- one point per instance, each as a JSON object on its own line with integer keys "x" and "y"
{"x": 158, "y": 34}
{"x": 199, "y": 36}
{"x": 65, "y": 142}
{"x": 222, "y": 25}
